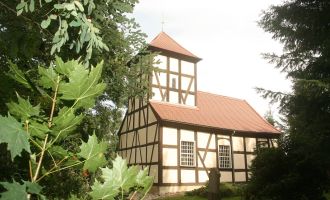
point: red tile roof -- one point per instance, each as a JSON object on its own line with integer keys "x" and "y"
{"x": 164, "y": 41}
{"x": 215, "y": 111}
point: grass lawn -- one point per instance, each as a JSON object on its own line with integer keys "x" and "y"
{"x": 181, "y": 197}
{"x": 327, "y": 196}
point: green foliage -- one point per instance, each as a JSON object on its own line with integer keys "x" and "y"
{"x": 299, "y": 169}
{"x": 225, "y": 190}
{"x": 120, "y": 180}
{"x": 93, "y": 153}
{"x": 71, "y": 88}
{"x": 27, "y": 124}
{"x": 68, "y": 15}
{"x": 13, "y": 134}
{"x": 274, "y": 170}
{"x": 15, "y": 190}
{"x": 83, "y": 86}
{"x": 71, "y": 30}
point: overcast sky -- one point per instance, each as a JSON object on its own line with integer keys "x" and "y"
{"x": 225, "y": 34}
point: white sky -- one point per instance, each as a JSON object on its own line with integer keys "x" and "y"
{"x": 224, "y": 33}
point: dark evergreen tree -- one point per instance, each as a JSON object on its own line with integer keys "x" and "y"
{"x": 302, "y": 26}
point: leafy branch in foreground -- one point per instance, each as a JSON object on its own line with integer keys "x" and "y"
{"x": 67, "y": 89}
{"x": 121, "y": 180}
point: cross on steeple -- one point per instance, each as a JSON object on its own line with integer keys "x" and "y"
{"x": 163, "y": 21}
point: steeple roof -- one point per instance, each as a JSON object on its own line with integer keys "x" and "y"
{"x": 164, "y": 42}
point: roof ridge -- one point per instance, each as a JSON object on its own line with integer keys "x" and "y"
{"x": 178, "y": 43}
{"x": 219, "y": 95}
{"x": 178, "y": 48}
{"x": 174, "y": 105}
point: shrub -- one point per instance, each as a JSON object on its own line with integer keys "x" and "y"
{"x": 226, "y": 190}
{"x": 278, "y": 175}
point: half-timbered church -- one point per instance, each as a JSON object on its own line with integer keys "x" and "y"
{"x": 180, "y": 133}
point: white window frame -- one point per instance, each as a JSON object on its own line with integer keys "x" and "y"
{"x": 194, "y": 154}
{"x": 225, "y": 156}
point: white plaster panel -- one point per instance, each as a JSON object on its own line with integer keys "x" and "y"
{"x": 142, "y": 122}
{"x": 203, "y": 137}
{"x": 249, "y": 159}
{"x": 170, "y": 136}
{"x": 224, "y": 142}
{"x": 156, "y": 94}
{"x": 239, "y": 161}
{"x": 136, "y": 119}
{"x": 123, "y": 141}
{"x": 161, "y": 61}
{"x": 137, "y": 103}
{"x": 124, "y": 126}
{"x": 162, "y": 76}
{"x": 188, "y": 176}
{"x": 174, "y": 65}
{"x": 170, "y": 157}
{"x": 226, "y": 177}
{"x": 238, "y": 144}
{"x": 143, "y": 152}
{"x": 170, "y": 176}
{"x": 151, "y": 116}
{"x": 187, "y": 135}
{"x": 151, "y": 133}
{"x": 124, "y": 154}
{"x": 212, "y": 142}
{"x": 240, "y": 176}
{"x": 190, "y": 101}
{"x": 154, "y": 154}
{"x": 130, "y": 139}
{"x": 187, "y": 67}
{"x": 142, "y": 135}
{"x": 154, "y": 172}
{"x": 174, "y": 85}
{"x": 132, "y": 159}
{"x": 130, "y": 121}
{"x": 174, "y": 97}
{"x": 250, "y": 144}
{"x": 128, "y": 154}
{"x": 274, "y": 142}
{"x": 210, "y": 160}
{"x": 202, "y": 176}
{"x": 138, "y": 155}
{"x": 185, "y": 83}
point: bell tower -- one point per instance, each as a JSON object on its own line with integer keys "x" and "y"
{"x": 174, "y": 78}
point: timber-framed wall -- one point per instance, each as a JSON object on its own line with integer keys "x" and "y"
{"x": 139, "y": 137}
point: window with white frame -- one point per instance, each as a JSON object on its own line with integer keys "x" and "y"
{"x": 224, "y": 156}
{"x": 187, "y": 157}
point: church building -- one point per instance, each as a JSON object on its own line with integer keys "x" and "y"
{"x": 180, "y": 133}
